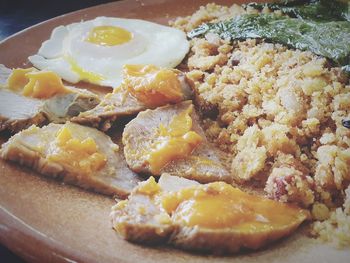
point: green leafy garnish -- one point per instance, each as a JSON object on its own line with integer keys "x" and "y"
{"x": 328, "y": 37}
{"x": 319, "y": 10}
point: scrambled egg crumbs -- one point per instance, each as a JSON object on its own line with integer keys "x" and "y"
{"x": 278, "y": 112}
{"x": 337, "y": 227}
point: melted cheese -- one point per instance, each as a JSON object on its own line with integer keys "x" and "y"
{"x": 151, "y": 85}
{"x": 174, "y": 142}
{"x": 44, "y": 85}
{"x": 81, "y": 155}
{"x": 220, "y": 205}
{"x": 149, "y": 187}
{"x": 36, "y": 84}
{"x": 18, "y": 79}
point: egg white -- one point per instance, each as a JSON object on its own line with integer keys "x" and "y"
{"x": 151, "y": 44}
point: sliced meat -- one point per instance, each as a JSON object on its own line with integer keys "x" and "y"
{"x": 253, "y": 222}
{"x": 121, "y": 103}
{"x": 205, "y": 164}
{"x": 114, "y": 105}
{"x": 152, "y": 226}
{"x": 32, "y": 148}
{"x": 62, "y": 108}
{"x": 170, "y": 183}
{"x": 18, "y": 112}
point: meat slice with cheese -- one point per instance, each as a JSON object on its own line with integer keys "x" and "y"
{"x": 114, "y": 105}
{"x": 143, "y": 87}
{"x": 31, "y": 97}
{"x": 79, "y": 155}
{"x": 62, "y": 108}
{"x": 18, "y": 112}
{"x": 214, "y": 217}
{"x": 170, "y": 139}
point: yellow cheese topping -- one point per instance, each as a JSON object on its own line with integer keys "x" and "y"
{"x": 81, "y": 155}
{"x": 152, "y": 85}
{"x": 36, "y": 84}
{"x": 18, "y": 79}
{"x": 220, "y": 205}
{"x": 44, "y": 85}
{"x": 109, "y": 36}
{"x": 149, "y": 187}
{"x": 174, "y": 142}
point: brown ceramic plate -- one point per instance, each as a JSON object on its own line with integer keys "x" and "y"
{"x": 45, "y": 221}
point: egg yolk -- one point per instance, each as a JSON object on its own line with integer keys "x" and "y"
{"x": 220, "y": 205}
{"x": 81, "y": 155}
{"x": 36, "y": 84}
{"x": 174, "y": 142}
{"x": 109, "y": 36}
{"x": 152, "y": 85}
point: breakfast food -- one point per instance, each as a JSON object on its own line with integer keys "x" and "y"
{"x": 267, "y": 132}
{"x": 79, "y": 155}
{"x": 33, "y": 83}
{"x": 169, "y": 139}
{"x": 95, "y": 51}
{"x": 18, "y": 112}
{"x": 215, "y": 217}
{"x": 278, "y": 112}
{"x": 29, "y": 96}
{"x": 143, "y": 87}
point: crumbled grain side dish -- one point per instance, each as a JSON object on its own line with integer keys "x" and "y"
{"x": 279, "y": 114}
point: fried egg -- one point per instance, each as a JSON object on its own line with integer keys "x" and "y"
{"x": 95, "y": 51}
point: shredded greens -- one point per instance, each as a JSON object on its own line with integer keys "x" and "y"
{"x": 321, "y": 10}
{"x": 327, "y": 35}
